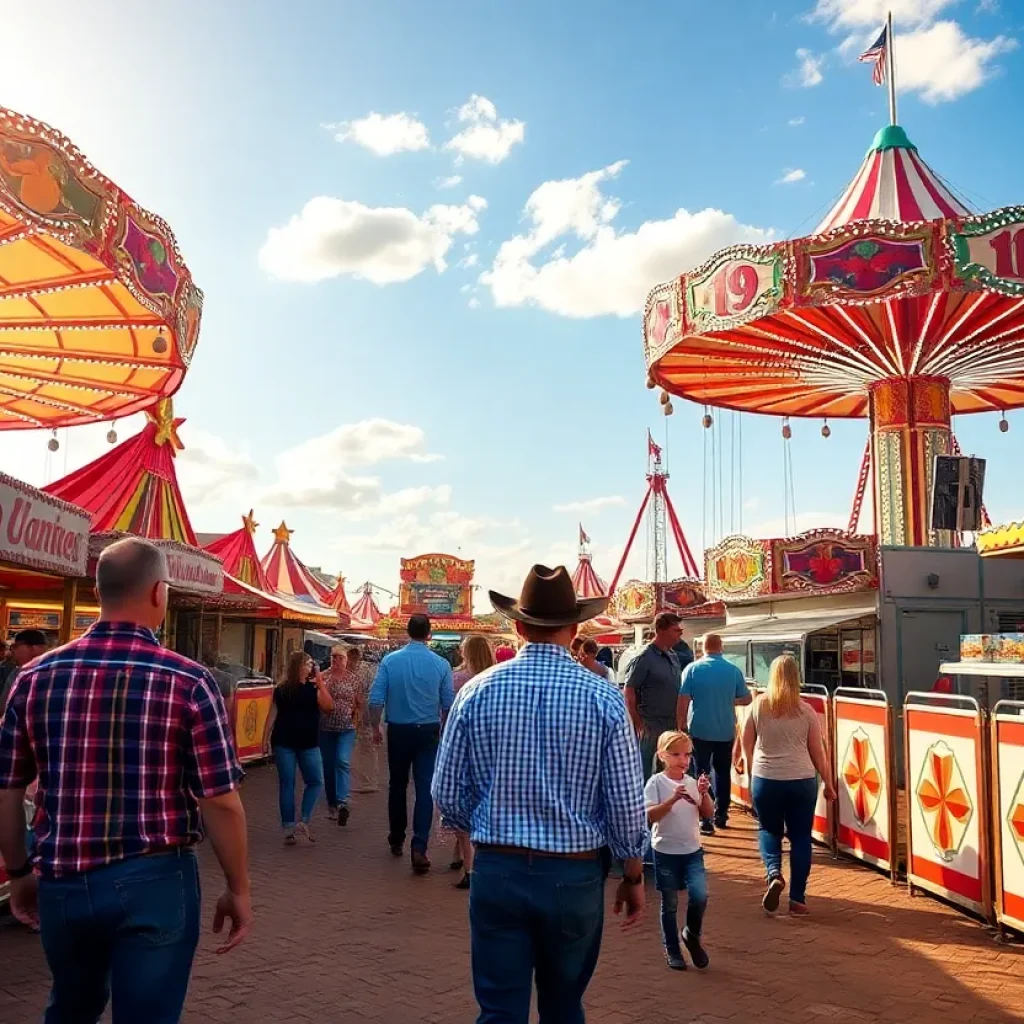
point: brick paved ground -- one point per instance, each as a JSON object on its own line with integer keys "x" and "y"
{"x": 345, "y": 933}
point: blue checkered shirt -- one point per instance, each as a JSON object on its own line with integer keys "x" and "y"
{"x": 539, "y": 752}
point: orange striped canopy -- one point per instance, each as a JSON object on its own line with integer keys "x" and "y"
{"x": 99, "y": 315}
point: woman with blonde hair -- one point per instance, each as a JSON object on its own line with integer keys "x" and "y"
{"x": 477, "y": 657}
{"x": 338, "y": 732}
{"x": 783, "y": 748}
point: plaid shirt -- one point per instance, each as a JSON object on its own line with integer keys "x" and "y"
{"x": 539, "y": 752}
{"x": 123, "y": 736}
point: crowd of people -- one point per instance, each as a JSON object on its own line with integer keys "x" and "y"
{"x": 539, "y": 770}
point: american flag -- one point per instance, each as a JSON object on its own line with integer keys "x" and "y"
{"x": 876, "y": 54}
{"x": 584, "y": 539}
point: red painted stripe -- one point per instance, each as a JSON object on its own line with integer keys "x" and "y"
{"x": 940, "y": 200}
{"x": 820, "y": 826}
{"x": 871, "y": 714}
{"x": 867, "y": 195}
{"x": 952, "y": 881}
{"x": 861, "y": 842}
{"x": 837, "y": 210}
{"x": 1013, "y": 905}
{"x": 1010, "y": 732}
{"x": 906, "y": 201}
{"x": 919, "y": 720}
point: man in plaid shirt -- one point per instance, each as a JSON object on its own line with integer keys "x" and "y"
{"x": 134, "y": 757}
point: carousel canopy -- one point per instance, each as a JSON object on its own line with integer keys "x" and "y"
{"x": 286, "y": 574}
{"x": 238, "y": 555}
{"x": 894, "y": 183}
{"x": 133, "y": 488}
{"x": 586, "y": 581}
{"x": 365, "y": 613}
{"x": 99, "y": 316}
{"x": 903, "y": 285}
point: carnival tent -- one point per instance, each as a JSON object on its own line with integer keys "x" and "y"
{"x": 238, "y": 553}
{"x": 287, "y": 574}
{"x": 365, "y": 613}
{"x": 133, "y": 488}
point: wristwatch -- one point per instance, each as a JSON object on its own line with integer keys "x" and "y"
{"x": 23, "y": 872}
{"x": 634, "y": 879}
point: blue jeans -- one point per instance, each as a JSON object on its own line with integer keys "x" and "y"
{"x": 309, "y": 763}
{"x": 786, "y": 807}
{"x": 715, "y": 756}
{"x": 336, "y": 752}
{"x": 127, "y": 930}
{"x": 411, "y": 748}
{"x": 672, "y": 872}
{"x": 534, "y": 917}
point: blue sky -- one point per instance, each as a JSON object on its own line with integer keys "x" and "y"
{"x": 413, "y": 364}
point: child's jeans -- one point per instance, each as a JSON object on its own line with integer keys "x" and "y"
{"x": 672, "y": 872}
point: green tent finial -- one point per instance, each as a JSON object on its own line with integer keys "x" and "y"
{"x": 892, "y": 136}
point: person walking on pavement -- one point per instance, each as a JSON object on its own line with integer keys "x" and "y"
{"x": 711, "y": 689}
{"x": 414, "y": 690}
{"x": 25, "y": 647}
{"x": 652, "y": 688}
{"x": 135, "y": 761}
{"x": 365, "y": 756}
{"x": 338, "y": 732}
{"x": 783, "y": 748}
{"x": 294, "y": 729}
{"x": 539, "y": 764}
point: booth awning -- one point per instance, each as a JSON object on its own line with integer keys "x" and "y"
{"x": 792, "y": 627}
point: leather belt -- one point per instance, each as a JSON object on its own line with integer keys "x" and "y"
{"x": 525, "y": 851}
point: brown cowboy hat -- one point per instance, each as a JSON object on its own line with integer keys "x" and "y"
{"x": 548, "y": 598}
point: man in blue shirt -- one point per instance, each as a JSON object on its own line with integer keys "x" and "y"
{"x": 540, "y": 765}
{"x": 710, "y": 690}
{"x": 414, "y": 689}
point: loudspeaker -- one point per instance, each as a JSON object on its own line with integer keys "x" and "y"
{"x": 957, "y": 485}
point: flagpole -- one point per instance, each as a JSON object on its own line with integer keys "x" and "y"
{"x": 891, "y": 61}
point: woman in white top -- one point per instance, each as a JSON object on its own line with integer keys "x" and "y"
{"x": 783, "y": 745}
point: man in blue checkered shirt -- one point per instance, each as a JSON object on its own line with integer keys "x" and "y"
{"x": 540, "y": 765}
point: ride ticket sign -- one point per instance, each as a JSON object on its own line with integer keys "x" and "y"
{"x": 40, "y": 531}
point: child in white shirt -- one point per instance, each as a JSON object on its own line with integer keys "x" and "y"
{"x": 676, "y": 803}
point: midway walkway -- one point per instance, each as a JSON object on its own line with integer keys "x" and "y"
{"x": 345, "y": 933}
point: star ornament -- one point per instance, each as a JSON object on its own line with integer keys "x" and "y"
{"x": 862, "y": 777}
{"x": 282, "y": 534}
{"x": 162, "y": 417}
{"x": 944, "y": 801}
{"x": 250, "y": 524}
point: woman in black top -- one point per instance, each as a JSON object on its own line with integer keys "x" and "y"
{"x": 294, "y": 728}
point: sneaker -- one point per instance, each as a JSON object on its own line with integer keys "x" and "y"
{"x": 772, "y": 895}
{"x": 420, "y": 863}
{"x": 396, "y": 849}
{"x": 302, "y": 829}
{"x": 332, "y": 813}
{"x": 464, "y": 882}
{"x": 721, "y": 824}
{"x": 343, "y": 815}
{"x": 456, "y": 865}
{"x": 695, "y": 949}
{"x": 798, "y": 909}
{"x": 707, "y": 828}
{"x": 289, "y": 839}
{"x": 675, "y": 961}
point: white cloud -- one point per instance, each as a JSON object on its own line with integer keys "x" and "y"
{"x": 935, "y": 59}
{"x": 450, "y": 182}
{"x": 474, "y": 303}
{"x": 590, "y": 504}
{"x": 210, "y": 470}
{"x": 470, "y": 260}
{"x": 942, "y": 63}
{"x": 484, "y": 136}
{"x": 808, "y": 73}
{"x": 337, "y": 237}
{"x": 790, "y": 177}
{"x": 611, "y": 272}
{"x": 384, "y": 134}
{"x": 796, "y": 121}
{"x": 365, "y": 443}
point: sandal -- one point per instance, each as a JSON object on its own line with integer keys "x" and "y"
{"x": 456, "y": 865}
{"x": 464, "y": 883}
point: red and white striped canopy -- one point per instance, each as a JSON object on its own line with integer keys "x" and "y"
{"x": 586, "y": 581}
{"x": 894, "y": 183}
{"x": 365, "y": 613}
{"x": 287, "y": 575}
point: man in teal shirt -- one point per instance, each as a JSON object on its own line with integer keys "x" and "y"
{"x": 710, "y": 690}
{"x": 415, "y": 690}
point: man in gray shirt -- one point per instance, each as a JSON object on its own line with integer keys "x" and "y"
{"x": 652, "y": 687}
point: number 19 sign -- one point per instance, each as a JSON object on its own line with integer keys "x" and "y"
{"x": 734, "y": 289}
{"x": 993, "y": 251}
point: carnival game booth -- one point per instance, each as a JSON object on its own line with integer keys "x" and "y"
{"x": 44, "y": 548}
